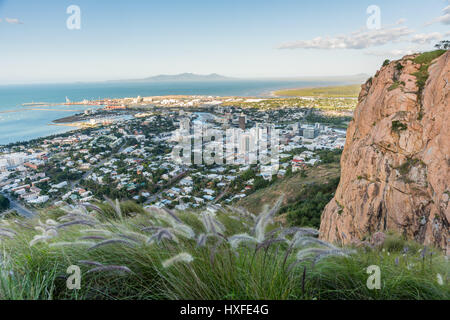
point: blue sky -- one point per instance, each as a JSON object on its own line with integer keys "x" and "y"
{"x": 245, "y": 38}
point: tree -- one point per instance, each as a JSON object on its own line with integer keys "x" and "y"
{"x": 443, "y": 45}
{"x": 4, "y": 203}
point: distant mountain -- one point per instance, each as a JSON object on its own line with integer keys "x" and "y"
{"x": 192, "y": 77}
{"x": 184, "y": 77}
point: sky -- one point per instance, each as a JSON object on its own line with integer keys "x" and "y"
{"x": 240, "y": 38}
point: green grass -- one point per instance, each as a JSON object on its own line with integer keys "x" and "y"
{"x": 427, "y": 57}
{"x": 396, "y": 85}
{"x": 422, "y": 75}
{"x": 350, "y": 91}
{"x": 220, "y": 268}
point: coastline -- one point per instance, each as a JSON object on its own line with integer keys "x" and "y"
{"x": 25, "y": 120}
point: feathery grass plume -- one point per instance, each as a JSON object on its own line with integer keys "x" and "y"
{"x": 273, "y": 233}
{"x": 150, "y": 229}
{"x": 92, "y": 238}
{"x": 71, "y": 244}
{"x": 303, "y": 241}
{"x": 75, "y": 210}
{"x": 182, "y": 257}
{"x": 264, "y": 219}
{"x": 112, "y": 241}
{"x": 206, "y": 223}
{"x": 39, "y": 238}
{"x": 97, "y": 231}
{"x": 172, "y": 214}
{"x": 5, "y": 223}
{"x": 184, "y": 230}
{"x": 161, "y": 217}
{"x": 297, "y": 231}
{"x": 201, "y": 240}
{"x": 6, "y": 234}
{"x": 40, "y": 229}
{"x": 51, "y": 222}
{"x": 211, "y": 224}
{"x": 93, "y": 207}
{"x": 77, "y": 222}
{"x": 110, "y": 268}
{"x": 131, "y": 238}
{"x": 51, "y": 232}
{"x": 162, "y": 234}
{"x": 115, "y": 206}
{"x": 317, "y": 254}
{"x": 72, "y": 216}
{"x": 237, "y": 239}
{"x": 440, "y": 279}
{"x": 213, "y": 252}
{"x": 90, "y": 263}
{"x": 23, "y": 224}
{"x": 134, "y": 236}
{"x": 177, "y": 227}
{"x": 8, "y": 230}
{"x": 268, "y": 242}
{"x": 241, "y": 211}
{"x": 332, "y": 253}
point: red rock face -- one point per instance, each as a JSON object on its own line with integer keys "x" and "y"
{"x": 395, "y": 165}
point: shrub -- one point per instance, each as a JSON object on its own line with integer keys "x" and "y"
{"x": 307, "y": 208}
{"x": 398, "y": 126}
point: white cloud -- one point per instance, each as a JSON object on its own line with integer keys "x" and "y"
{"x": 392, "y": 53}
{"x": 13, "y": 21}
{"x": 361, "y": 39}
{"x": 445, "y": 18}
{"x": 424, "y": 38}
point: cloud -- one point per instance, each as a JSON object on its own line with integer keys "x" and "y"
{"x": 423, "y": 38}
{"x": 392, "y": 53}
{"x": 361, "y": 39}
{"x": 444, "y": 19}
{"x": 13, "y": 21}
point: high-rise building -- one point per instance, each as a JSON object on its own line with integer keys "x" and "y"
{"x": 242, "y": 122}
{"x": 310, "y": 132}
{"x": 185, "y": 125}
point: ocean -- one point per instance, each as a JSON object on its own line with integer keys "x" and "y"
{"x": 19, "y": 123}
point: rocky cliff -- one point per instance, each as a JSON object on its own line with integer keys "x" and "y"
{"x": 395, "y": 165}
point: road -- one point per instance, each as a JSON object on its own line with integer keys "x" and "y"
{"x": 20, "y": 209}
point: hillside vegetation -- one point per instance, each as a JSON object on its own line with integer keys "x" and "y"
{"x": 229, "y": 254}
{"x": 305, "y": 195}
